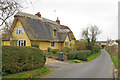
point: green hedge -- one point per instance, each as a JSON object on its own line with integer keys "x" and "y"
{"x": 81, "y": 55}
{"x": 72, "y": 55}
{"x": 54, "y": 51}
{"x": 95, "y": 49}
{"x": 65, "y": 49}
{"x": 88, "y": 52}
{"x": 17, "y": 59}
{"x": 36, "y": 46}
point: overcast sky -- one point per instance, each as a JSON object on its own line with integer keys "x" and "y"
{"x": 78, "y": 14}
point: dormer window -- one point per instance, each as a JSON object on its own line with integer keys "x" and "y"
{"x": 54, "y": 32}
{"x": 19, "y": 30}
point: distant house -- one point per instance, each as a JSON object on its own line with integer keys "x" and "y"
{"x": 34, "y": 30}
{"x": 102, "y": 42}
{"x": 113, "y": 43}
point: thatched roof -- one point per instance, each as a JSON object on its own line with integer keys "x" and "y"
{"x": 40, "y": 28}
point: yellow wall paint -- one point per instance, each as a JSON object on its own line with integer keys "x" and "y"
{"x": 44, "y": 45}
{"x": 73, "y": 42}
{"x": 56, "y": 45}
{"x": 20, "y": 36}
{"x": 67, "y": 39}
{"x": 5, "y": 43}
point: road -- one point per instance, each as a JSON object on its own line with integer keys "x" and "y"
{"x": 101, "y": 67}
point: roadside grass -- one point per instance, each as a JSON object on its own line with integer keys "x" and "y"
{"x": 37, "y": 73}
{"x": 89, "y": 58}
{"x": 114, "y": 59}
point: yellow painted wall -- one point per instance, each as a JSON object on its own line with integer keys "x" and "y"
{"x": 44, "y": 45}
{"x": 5, "y": 43}
{"x": 57, "y": 45}
{"x": 73, "y": 42}
{"x": 20, "y": 36}
{"x": 67, "y": 39}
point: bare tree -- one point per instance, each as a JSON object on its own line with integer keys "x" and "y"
{"x": 7, "y": 9}
{"x": 90, "y": 35}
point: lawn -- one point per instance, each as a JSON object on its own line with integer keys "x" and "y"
{"x": 37, "y": 73}
{"x": 89, "y": 58}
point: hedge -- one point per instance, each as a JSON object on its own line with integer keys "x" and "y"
{"x": 71, "y": 55}
{"x": 17, "y": 59}
{"x": 88, "y": 52}
{"x": 81, "y": 55}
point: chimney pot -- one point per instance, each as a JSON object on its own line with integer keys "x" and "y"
{"x": 58, "y": 21}
{"x": 38, "y": 14}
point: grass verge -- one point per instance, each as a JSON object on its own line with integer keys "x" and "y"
{"x": 89, "y": 58}
{"x": 114, "y": 59}
{"x": 37, "y": 73}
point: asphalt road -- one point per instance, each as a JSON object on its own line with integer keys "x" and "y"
{"x": 101, "y": 67}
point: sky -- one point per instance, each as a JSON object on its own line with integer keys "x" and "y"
{"x": 79, "y": 14}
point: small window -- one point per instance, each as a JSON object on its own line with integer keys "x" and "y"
{"x": 54, "y": 33}
{"x": 19, "y": 30}
{"x": 52, "y": 44}
{"x": 66, "y": 43}
{"x": 21, "y": 42}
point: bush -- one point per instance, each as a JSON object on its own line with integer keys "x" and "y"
{"x": 17, "y": 59}
{"x": 81, "y": 55}
{"x": 49, "y": 49}
{"x": 71, "y": 55}
{"x": 37, "y": 46}
{"x": 80, "y": 45}
{"x": 54, "y": 51}
{"x": 65, "y": 49}
{"x": 50, "y": 53}
{"x": 88, "y": 52}
{"x": 95, "y": 48}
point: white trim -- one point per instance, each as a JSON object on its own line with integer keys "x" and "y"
{"x": 21, "y": 42}
{"x": 19, "y": 30}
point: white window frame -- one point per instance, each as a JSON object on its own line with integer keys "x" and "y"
{"x": 67, "y": 42}
{"x": 51, "y": 44}
{"x": 19, "y": 30}
{"x": 22, "y": 42}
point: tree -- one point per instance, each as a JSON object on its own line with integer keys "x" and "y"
{"x": 7, "y": 9}
{"x": 90, "y": 35}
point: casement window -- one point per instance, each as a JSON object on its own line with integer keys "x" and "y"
{"x": 66, "y": 43}
{"x": 21, "y": 42}
{"x": 54, "y": 33}
{"x": 52, "y": 44}
{"x": 19, "y": 30}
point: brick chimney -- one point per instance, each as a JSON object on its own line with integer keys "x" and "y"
{"x": 38, "y": 14}
{"x": 58, "y": 21}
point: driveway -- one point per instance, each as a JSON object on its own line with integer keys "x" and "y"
{"x": 101, "y": 67}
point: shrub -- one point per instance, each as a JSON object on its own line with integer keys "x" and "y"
{"x": 88, "y": 52}
{"x": 65, "y": 49}
{"x": 49, "y": 49}
{"x": 17, "y": 59}
{"x": 50, "y": 53}
{"x": 80, "y": 45}
{"x": 37, "y": 46}
{"x": 54, "y": 51}
{"x": 81, "y": 55}
{"x": 71, "y": 55}
{"x": 95, "y": 48}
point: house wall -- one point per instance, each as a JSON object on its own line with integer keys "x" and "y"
{"x": 5, "y": 43}
{"x": 20, "y": 36}
{"x": 43, "y": 45}
{"x": 57, "y": 46}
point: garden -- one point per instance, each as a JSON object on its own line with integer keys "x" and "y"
{"x": 22, "y": 62}
{"x": 77, "y": 53}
